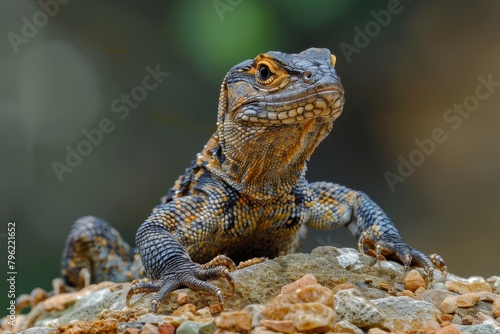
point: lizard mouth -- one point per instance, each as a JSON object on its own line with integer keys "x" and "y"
{"x": 294, "y": 107}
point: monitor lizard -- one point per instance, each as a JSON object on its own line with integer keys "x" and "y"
{"x": 245, "y": 195}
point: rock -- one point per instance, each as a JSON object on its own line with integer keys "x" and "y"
{"x": 467, "y": 287}
{"x": 449, "y": 304}
{"x": 37, "y": 330}
{"x": 130, "y": 327}
{"x": 416, "y": 314}
{"x": 484, "y": 317}
{"x": 343, "y": 286}
{"x": 99, "y": 326}
{"x": 352, "y": 306}
{"x": 182, "y": 298}
{"x": 255, "y": 310}
{"x": 149, "y": 329}
{"x": 283, "y": 303}
{"x": 484, "y": 328}
{"x": 376, "y": 331}
{"x": 468, "y": 299}
{"x": 151, "y": 317}
{"x": 316, "y": 293}
{"x": 450, "y": 329}
{"x": 494, "y": 282}
{"x": 184, "y": 309}
{"x": 234, "y": 321}
{"x": 307, "y": 279}
{"x": 496, "y": 308}
{"x": 282, "y": 326}
{"x": 262, "y": 330}
{"x": 456, "y": 320}
{"x": 414, "y": 281}
{"x": 437, "y": 297}
{"x": 345, "y": 326}
{"x": 259, "y": 285}
{"x": 130, "y": 330}
{"x": 192, "y": 327}
{"x": 166, "y": 328}
{"x": 204, "y": 312}
{"x": 312, "y": 317}
{"x": 446, "y": 317}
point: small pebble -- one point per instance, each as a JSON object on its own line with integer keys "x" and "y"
{"x": 489, "y": 296}
{"x": 407, "y": 293}
{"x": 149, "y": 329}
{"x": 467, "y": 320}
{"x": 352, "y": 306}
{"x": 132, "y": 331}
{"x": 184, "y": 309}
{"x": 496, "y": 308}
{"x": 484, "y": 317}
{"x": 344, "y": 326}
{"x": 166, "y": 328}
{"x": 414, "y": 281}
{"x": 182, "y": 298}
{"x": 204, "y": 312}
{"x": 255, "y": 311}
{"x": 376, "y": 331}
{"x": 190, "y": 327}
{"x": 312, "y": 317}
{"x": 468, "y": 299}
{"x": 419, "y": 291}
{"x": 151, "y": 317}
{"x": 344, "y": 286}
{"x": 234, "y": 321}
{"x": 316, "y": 293}
{"x": 494, "y": 281}
{"x": 262, "y": 330}
{"x": 466, "y": 287}
{"x": 446, "y": 317}
{"x": 215, "y": 308}
{"x": 308, "y": 279}
{"x": 282, "y": 326}
{"x": 451, "y": 329}
{"x": 449, "y": 304}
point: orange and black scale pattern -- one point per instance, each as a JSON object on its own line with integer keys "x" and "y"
{"x": 245, "y": 195}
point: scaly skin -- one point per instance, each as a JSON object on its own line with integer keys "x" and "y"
{"x": 246, "y": 195}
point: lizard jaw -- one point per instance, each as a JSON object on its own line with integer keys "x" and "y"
{"x": 326, "y": 103}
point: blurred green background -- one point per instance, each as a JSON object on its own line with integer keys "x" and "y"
{"x": 62, "y": 77}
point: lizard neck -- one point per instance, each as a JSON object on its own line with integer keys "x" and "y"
{"x": 263, "y": 162}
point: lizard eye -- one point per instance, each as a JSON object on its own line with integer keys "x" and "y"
{"x": 264, "y": 72}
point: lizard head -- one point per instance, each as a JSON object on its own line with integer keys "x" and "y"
{"x": 274, "y": 110}
{"x": 277, "y": 89}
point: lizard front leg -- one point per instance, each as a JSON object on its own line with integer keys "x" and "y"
{"x": 333, "y": 205}
{"x": 161, "y": 241}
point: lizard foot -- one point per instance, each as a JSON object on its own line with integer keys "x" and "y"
{"x": 391, "y": 245}
{"x": 193, "y": 277}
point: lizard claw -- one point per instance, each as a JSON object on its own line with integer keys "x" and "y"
{"x": 193, "y": 276}
{"x": 392, "y": 245}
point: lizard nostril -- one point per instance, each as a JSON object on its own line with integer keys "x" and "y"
{"x": 307, "y": 75}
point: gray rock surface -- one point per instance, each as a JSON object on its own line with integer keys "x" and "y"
{"x": 352, "y": 306}
{"x": 417, "y": 314}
